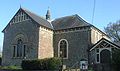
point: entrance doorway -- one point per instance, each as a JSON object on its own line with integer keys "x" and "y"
{"x": 105, "y": 56}
{"x": 105, "y": 60}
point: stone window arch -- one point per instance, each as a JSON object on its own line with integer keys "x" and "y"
{"x": 19, "y": 46}
{"x": 63, "y": 48}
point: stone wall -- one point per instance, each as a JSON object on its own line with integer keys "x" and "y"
{"x": 45, "y": 49}
{"x": 27, "y": 28}
{"x": 96, "y": 35}
{"x": 78, "y": 43}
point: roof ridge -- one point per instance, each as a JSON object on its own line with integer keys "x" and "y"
{"x": 80, "y": 18}
{"x": 64, "y": 17}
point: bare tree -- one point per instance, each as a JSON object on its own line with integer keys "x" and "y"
{"x": 113, "y": 31}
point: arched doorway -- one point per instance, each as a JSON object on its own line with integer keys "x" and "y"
{"x": 105, "y": 56}
{"x": 105, "y": 60}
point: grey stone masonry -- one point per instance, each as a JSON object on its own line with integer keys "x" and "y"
{"x": 78, "y": 43}
{"x": 30, "y": 32}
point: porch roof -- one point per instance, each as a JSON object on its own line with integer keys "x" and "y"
{"x": 104, "y": 40}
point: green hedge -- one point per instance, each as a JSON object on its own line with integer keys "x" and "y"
{"x": 10, "y": 68}
{"x": 41, "y": 64}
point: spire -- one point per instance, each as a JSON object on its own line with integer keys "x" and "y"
{"x": 48, "y": 14}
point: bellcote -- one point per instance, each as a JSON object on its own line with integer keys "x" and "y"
{"x": 48, "y": 15}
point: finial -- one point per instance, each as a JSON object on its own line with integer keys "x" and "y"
{"x": 48, "y": 8}
{"x": 20, "y": 5}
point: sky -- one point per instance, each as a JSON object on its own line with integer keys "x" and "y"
{"x": 106, "y": 11}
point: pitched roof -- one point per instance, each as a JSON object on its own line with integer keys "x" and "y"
{"x": 69, "y": 22}
{"x": 38, "y": 19}
{"x": 101, "y": 40}
{"x": 41, "y": 21}
{"x": 57, "y": 24}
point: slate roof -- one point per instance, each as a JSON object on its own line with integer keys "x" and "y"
{"x": 59, "y": 23}
{"x": 39, "y": 19}
{"x": 69, "y": 22}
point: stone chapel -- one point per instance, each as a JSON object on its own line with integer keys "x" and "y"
{"x": 29, "y": 36}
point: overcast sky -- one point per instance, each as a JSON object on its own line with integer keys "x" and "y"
{"x": 105, "y": 10}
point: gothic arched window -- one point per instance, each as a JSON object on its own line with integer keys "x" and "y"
{"x": 63, "y": 48}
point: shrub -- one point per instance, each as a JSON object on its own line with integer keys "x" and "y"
{"x": 30, "y": 64}
{"x": 41, "y": 64}
{"x": 53, "y": 63}
{"x": 10, "y": 68}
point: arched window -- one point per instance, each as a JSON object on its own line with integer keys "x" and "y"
{"x": 19, "y": 50}
{"x": 63, "y": 48}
